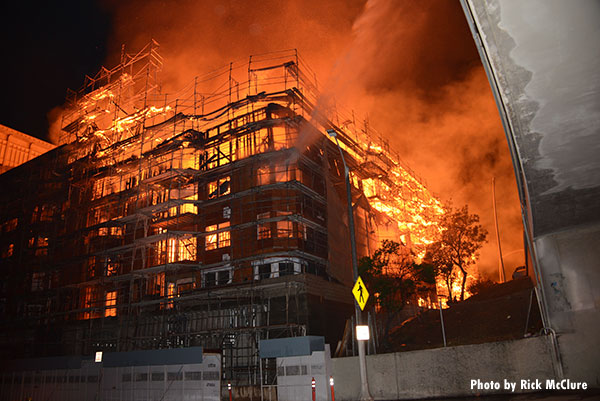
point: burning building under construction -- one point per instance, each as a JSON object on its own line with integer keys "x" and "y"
{"x": 213, "y": 217}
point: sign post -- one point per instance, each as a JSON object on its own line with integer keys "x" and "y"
{"x": 362, "y": 361}
{"x": 361, "y": 295}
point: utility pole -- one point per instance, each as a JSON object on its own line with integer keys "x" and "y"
{"x": 365, "y": 395}
{"x": 501, "y": 272}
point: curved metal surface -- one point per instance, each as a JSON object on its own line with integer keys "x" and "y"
{"x": 542, "y": 58}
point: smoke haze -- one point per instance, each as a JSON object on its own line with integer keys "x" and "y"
{"x": 410, "y": 66}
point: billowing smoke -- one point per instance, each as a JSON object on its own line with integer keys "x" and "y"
{"x": 410, "y": 66}
{"x": 420, "y": 77}
{"x": 55, "y": 124}
{"x": 197, "y": 37}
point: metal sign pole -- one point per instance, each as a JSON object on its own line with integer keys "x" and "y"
{"x": 442, "y": 321}
{"x": 362, "y": 360}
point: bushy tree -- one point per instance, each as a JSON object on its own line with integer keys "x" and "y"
{"x": 393, "y": 278}
{"x": 458, "y": 246}
{"x": 480, "y": 285}
{"x": 437, "y": 257}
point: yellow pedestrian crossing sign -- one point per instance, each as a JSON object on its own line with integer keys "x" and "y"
{"x": 360, "y": 293}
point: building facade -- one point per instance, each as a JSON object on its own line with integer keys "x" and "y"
{"x": 212, "y": 218}
{"x": 17, "y": 148}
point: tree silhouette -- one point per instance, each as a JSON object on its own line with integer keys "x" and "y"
{"x": 459, "y": 243}
{"x": 436, "y": 256}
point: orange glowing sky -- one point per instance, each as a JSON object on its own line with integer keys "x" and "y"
{"x": 410, "y": 66}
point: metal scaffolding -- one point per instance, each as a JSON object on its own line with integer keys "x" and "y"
{"x": 210, "y": 217}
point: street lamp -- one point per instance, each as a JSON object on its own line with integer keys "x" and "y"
{"x": 362, "y": 361}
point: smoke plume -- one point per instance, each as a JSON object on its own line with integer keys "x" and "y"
{"x": 410, "y": 66}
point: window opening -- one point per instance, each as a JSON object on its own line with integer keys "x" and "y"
{"x": 111, "y": 302}
{"x": 217, "y": 277}
{"x": 217, "y": 240}
{"x": 263, "y": 230}
{"x": 220, "y": 187}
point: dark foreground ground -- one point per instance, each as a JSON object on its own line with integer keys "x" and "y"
{"x": 498, "y": 313}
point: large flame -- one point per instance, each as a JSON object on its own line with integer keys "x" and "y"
{"x": 111, "y": 116}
